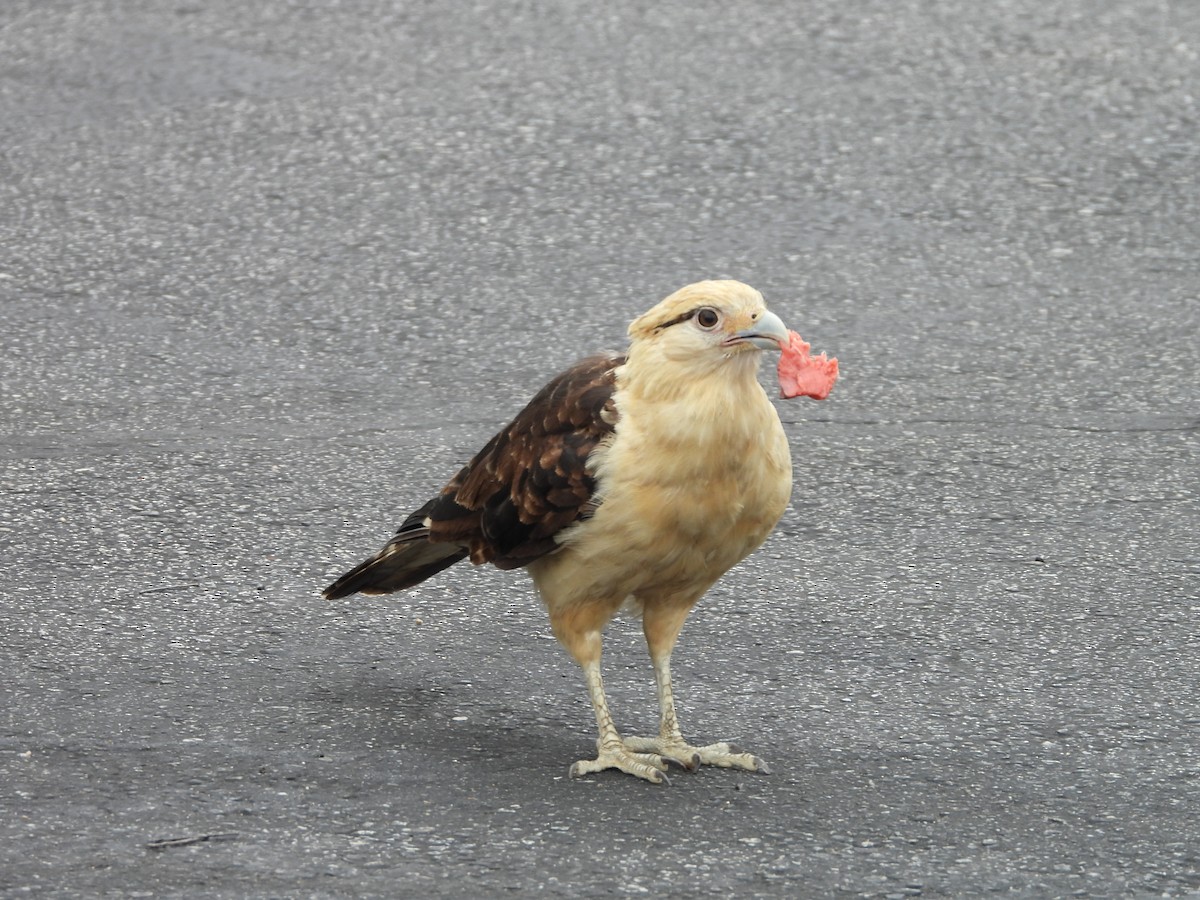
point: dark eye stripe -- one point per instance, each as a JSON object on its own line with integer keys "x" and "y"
{"x": 690, "y": 314}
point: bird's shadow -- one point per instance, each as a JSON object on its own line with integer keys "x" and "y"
{"x": 461, "y": 722}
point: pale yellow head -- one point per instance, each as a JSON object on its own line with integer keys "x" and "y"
{"x": 714, "y": 319}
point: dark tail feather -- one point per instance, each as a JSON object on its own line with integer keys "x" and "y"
{"x": 399, "y": 565}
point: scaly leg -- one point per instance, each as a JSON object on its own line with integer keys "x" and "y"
{"x": 662, "y": 623}
{"x": 612, "y": 753}
{"x": 579, "y": 631}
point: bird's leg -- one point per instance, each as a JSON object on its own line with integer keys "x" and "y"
{"x": 611, "y": 750}
{"x": 662, "y": 623}
{"x": 612, "y": 753}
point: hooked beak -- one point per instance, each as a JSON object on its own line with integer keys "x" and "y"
{"x": 768, "y": 333}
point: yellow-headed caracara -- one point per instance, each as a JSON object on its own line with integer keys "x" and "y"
{"x": 629, "y": 481}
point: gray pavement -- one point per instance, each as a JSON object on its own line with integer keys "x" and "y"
{"x": 270, "y": 271}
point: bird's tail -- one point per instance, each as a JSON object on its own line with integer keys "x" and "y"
{"x": 406, "y": 561}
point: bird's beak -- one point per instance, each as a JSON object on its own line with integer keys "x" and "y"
{"x": 768, "y": 333}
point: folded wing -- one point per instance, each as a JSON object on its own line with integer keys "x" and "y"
{"x": 507, "y": 504}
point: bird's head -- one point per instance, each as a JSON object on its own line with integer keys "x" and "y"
{"x": 710, "y": 322}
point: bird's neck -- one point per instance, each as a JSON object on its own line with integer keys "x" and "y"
{"x": 720, "y": 408}
{"x": 709, "y": 379}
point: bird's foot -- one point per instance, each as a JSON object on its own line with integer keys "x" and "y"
{"x": 650, "y": 766}
{"x": 729, "y": 756}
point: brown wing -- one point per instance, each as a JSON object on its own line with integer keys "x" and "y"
{"x": 506, "y": 504}
{"x": 532, "y": 479}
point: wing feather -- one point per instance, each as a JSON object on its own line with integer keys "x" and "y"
{"x": 532, "y": 479}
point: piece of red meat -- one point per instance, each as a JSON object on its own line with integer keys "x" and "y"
{"x": 801, "y": 375}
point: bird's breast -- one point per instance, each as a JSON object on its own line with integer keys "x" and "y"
{"x": 686, "y": 491}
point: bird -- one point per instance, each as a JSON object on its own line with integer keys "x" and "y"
{"x": 630, "y": 482}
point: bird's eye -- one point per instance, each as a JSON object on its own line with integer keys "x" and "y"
{"x": 707, "y": 318}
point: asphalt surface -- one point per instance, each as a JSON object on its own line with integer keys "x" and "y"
{"x": 269, "y": 272}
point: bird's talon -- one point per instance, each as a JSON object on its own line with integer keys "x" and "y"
{"x": 647, "y": 766}
{"x": 680, "y": 764}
